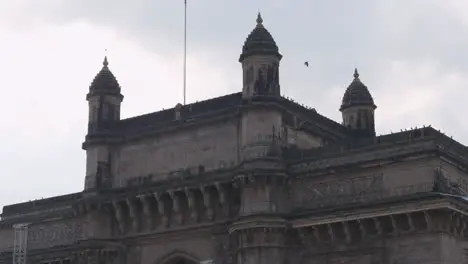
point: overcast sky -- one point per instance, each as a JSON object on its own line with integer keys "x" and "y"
{"x": 412, "y": 54}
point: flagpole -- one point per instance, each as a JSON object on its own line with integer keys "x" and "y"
{"x": 185, "y": 51}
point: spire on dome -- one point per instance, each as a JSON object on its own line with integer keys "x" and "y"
{"x": 356, "y": 74}
{"x": 259, "y": 19}
{"x": 105, "y": 63}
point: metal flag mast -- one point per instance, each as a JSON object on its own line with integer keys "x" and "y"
{"x": 185, "y": 51}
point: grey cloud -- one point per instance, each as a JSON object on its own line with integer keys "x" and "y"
{"x": 330, "y": 32}
{"x": 335, "y": 35}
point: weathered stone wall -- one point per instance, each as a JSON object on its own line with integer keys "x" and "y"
{"x": 212, "y": 146}
{"x": 376, "y": 182}
{"x": 346, "y": 257}
{"x": 427, "y": 236}
{"x": 414, "y": 248}
{"x": 453, "y": 250}
{"x": 410, "y": 172}
{"x": 432, "y": 248}
{"x": 306, "y": 140}
{"x": 6, "y": 238}
{"x": 94, "y": 155}
{"x": 303, "y": 139}
{"x": 455, "y": 175}
{"x": 427, "y": 248}
{"x": 54, "y": 233}
{"x": 258, "y": 124}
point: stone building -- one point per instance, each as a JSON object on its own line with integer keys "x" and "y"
{"x": 251, "y": 178}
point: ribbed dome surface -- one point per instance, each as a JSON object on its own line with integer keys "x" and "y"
{"x": 105, "y": 80}
{"x": 259, "y": 42}
{"x": 357, "y": 94}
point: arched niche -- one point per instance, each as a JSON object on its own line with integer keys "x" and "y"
{"x": 178, "y": 257}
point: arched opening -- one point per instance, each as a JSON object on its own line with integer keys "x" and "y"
{"x": 179, "y": 260}
{"x": 178, "y": 257}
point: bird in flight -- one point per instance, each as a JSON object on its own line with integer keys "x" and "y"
{"x": 306, "y": 63}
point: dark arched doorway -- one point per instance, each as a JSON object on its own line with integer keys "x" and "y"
{"x": 180, "y": 260}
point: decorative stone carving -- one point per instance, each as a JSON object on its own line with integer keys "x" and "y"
{"x": 323, "y": 193}
{"x": 55, "y": 234}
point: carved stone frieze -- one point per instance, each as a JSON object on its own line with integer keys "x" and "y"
{"x": 61, "y": 233}
{"x": 96, "y": 256}
{"x": 315, "y": 193}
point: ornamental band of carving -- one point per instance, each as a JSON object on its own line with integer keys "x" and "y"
{"x": 320, "y": 191}
{"x": 55, "y": 234}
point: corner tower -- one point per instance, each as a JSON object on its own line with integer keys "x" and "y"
{"x": 260, "y": 233}
{"x": 104, "y": 100}
{"x": 260, "y": 60}
{"x": 358, "y": 109}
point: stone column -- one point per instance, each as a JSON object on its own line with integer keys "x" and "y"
{"x": 207, "y": 203}
{"x": 119, "y": 216}
{"x": 192, "y": 205}
{"x": 133, "y": 214}
{"x": 176, "y": 210}
{"x": 161, "y": 210}
{"x": 148, "y": 218}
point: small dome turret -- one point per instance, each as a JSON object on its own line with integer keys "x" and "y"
{"x": 259, "y": 42}
{"x": 104, "y": 99}
{"x": 357, "y": 109}
{"x": 357, "y": 94}
{"x": 105, "y": 81}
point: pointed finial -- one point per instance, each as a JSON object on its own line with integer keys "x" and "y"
{"x": 105, "y": 62}
{"x": 356, "y": 73}
{"x": 259, "y": 19}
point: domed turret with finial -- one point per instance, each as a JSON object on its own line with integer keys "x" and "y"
{"x": 357, "y": 108}
{"x": 105, "y": 81}
{"x": 104, "y": 99}
{"x": 260, "y": 59}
